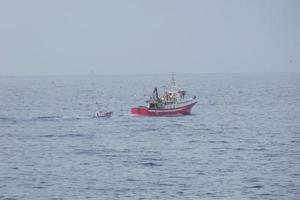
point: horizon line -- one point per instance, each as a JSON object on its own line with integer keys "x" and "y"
{"x": 148, "y": 74}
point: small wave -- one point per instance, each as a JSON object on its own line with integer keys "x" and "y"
{"x": 153, "y": 159}
{"x": 47, "y": 136}
{"x": 295, "y": 141}
{"x": 8, "y": 119}
{"x": 130, "y": 180}
{"x": 238, "y": 114}
{"x": 259, "y": 149}
{"x": 253, "y": 180}
{"x": 44, "y": 118}
{"x": 48, "y": 117}
{"x": 151, "y": 164}
{"x": 57, "y": 117}
{"x": 257, "y": 186}
{"x": 53, "y": 118}
{"x": 72, "y": 135}
{"x": 14, "y": 167}
{"x": 177, "y": 125}
{"x": 74, "y": 117}
{"x": 149, "y": 129}
{"x": 264, "y": 194}
{"x": 3, "y": 118}
{"x": 203, "y": 129}
{"x": 85, "y": 163}
{"x": 165, "y": 184}
{"x": 89, "y": 152}
{"x": 224, "y": 142}
{"x": 271, "y": 155}
{"x": 236, "y": 128}
{"x": 38, "y": 187}
{"x": 62, "y": 136}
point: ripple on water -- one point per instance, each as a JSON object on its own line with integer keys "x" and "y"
{"x": 151, "y": 164}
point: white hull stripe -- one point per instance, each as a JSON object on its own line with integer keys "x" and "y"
{"x": 173, "y": 110}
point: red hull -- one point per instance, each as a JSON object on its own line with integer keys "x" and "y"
{"x": 143, "y": 110}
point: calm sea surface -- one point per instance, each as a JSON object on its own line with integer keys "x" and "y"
{"x": 242, "y": 140}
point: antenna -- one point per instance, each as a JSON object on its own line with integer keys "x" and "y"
{"x": 173, "y": 79}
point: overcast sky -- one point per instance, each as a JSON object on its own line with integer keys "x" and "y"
{"x": 65, "y": 37}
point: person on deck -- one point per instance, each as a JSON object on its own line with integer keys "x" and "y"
{"x": 155, "y": 94}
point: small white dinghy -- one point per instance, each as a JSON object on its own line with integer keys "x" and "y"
{"x": 99, "y": 114}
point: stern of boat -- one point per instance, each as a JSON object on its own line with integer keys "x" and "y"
{"x": 142, "y": 110}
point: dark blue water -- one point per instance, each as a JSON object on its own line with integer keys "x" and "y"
{"x": 241, "y": 142}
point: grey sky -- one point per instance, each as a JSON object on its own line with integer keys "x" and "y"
{"x": 60, "y": 37}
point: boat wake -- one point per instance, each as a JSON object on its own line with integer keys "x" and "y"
{"x": 46, "y": 118}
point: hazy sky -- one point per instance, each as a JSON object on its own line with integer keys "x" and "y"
{"x": 61, "y": 37}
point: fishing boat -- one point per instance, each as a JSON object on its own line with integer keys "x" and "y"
{"x": 175, "y": 101}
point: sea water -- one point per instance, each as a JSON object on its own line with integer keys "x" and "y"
{"x": 242, "y": 140}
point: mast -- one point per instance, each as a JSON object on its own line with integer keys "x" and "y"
{"x": 173, "y": 80}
